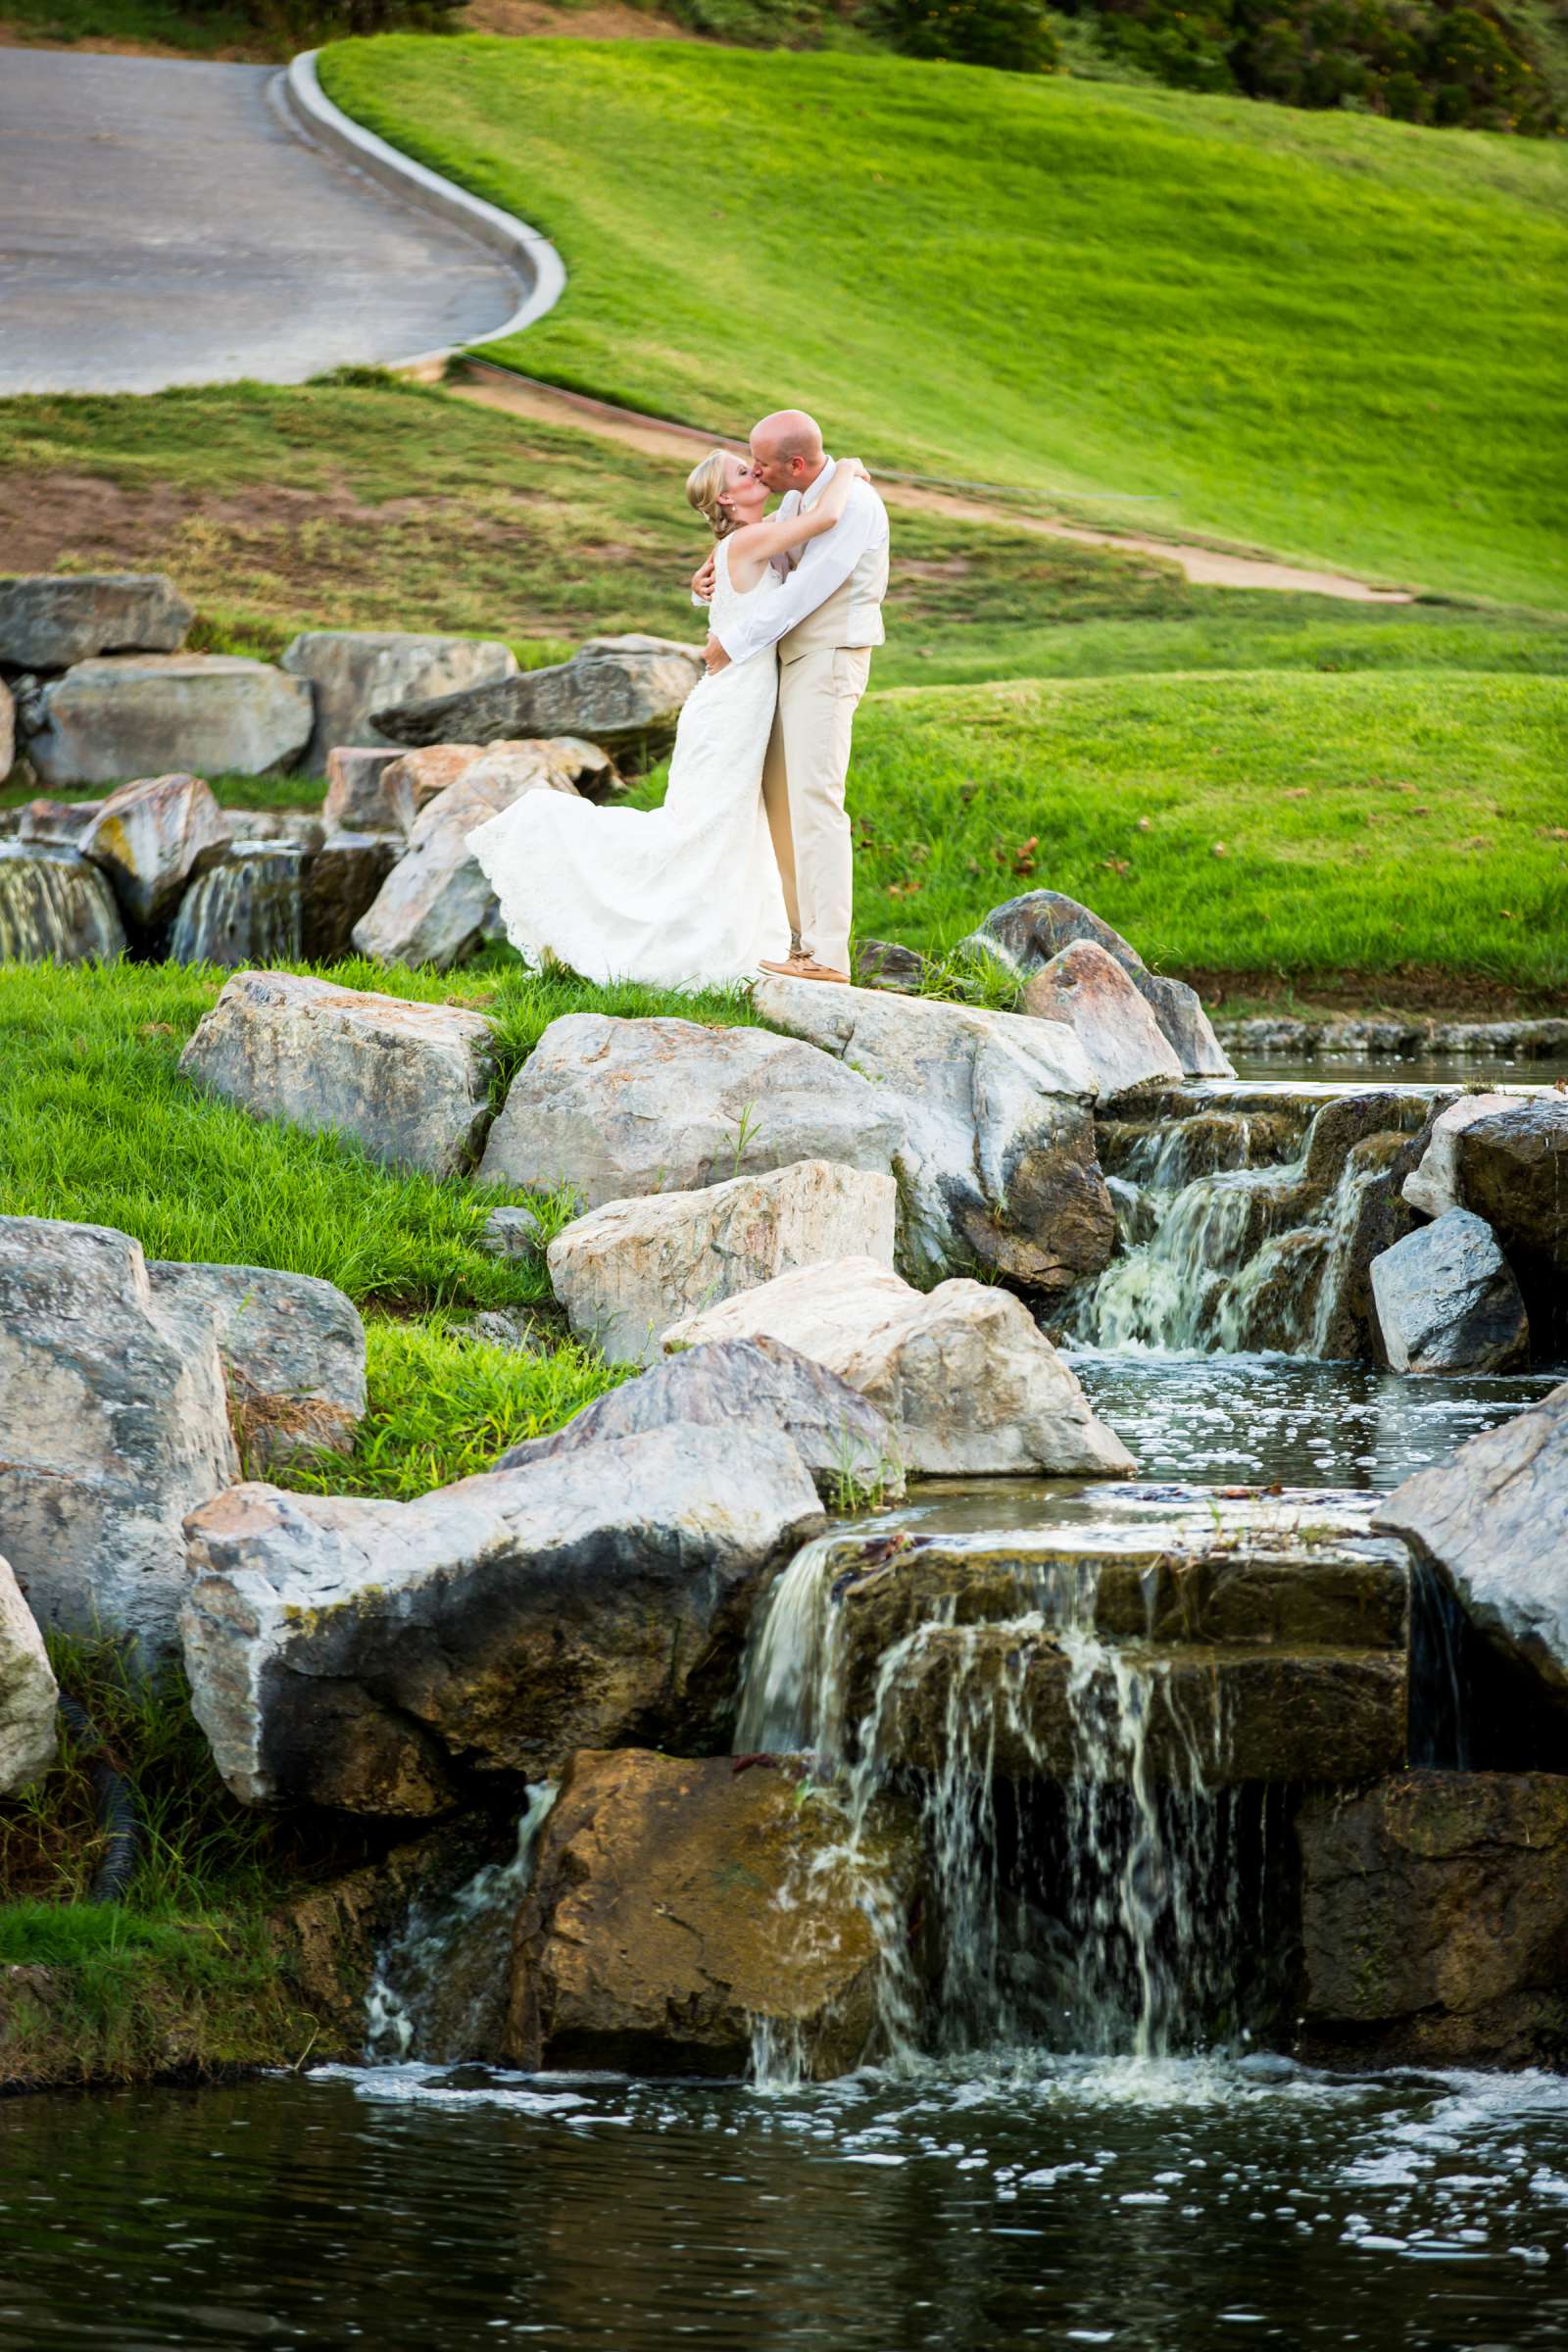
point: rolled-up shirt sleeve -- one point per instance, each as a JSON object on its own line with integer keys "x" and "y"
{"x": 832, "y": 558}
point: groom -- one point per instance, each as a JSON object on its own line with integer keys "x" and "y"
{"x": 824, "y": 619}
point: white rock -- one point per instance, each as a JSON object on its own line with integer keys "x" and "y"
{"x": 408, "y": 1082}
{"x": 436, "y": 906}
{"x": 145, "y": 714}
{"x": 1085, "y": 988}
{"x": 151, "y": 838}
{"x": 116, "y": 1423}
{"x": 963, "y": 1375}
{"x": 356, "y": 672}
{"x": 28, "y": 1692}
{"x": 626, "y": 1271}
{"x": 998, "y": 1162}
{"x": 618, "y": 1109}
{"x": 1433, "y": 1187}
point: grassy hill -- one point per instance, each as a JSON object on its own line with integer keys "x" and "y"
{"x": 1330, "y": 335}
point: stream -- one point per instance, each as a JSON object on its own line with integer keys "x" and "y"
{"x": 1134, "y": 2190}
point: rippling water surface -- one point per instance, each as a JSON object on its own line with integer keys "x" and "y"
{"x": 1158, "y": 2207}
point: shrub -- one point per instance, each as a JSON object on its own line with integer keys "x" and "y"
{"x": 1014, "y": 34}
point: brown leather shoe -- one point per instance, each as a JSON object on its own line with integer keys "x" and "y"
{"x": 810, "y": 969}
{"x": 790, "y": 969}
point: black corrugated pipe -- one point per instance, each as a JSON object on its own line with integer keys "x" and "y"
{"x": 113, "y": 1803}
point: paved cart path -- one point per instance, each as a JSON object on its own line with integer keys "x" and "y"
{"x": 161, "y": 223}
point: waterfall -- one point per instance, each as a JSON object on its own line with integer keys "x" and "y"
{"x": 246, "y": 909}
{"x": 54, "y": 907}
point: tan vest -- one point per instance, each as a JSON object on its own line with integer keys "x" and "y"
{"x": 851, "y": 616}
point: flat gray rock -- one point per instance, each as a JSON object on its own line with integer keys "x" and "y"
{"x": 1447, "y": 1299}
{"x": 144, "y": 715}
{"x": 49, "y": 620}
{"x": 115, "y": 1422}
{"x": 55, "y": 908}
{"x": 618, "y": 1109}
{"x": 624, "y": 694}
{"x": 738, "y": 1383}
{"x": 356, "y": 672}
{"x": 996, "y": 1165}
{"x": 383, "y": 1658}
{"x": 410, "y": 1083}
{"x": 293, "y": 1353}
{"x": 1027, "y": 932}
{"x": 1493, "y": 1524}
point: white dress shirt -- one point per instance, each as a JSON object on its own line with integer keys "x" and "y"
{"x": 820, "y": 567}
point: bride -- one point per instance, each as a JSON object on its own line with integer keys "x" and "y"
{"x": 687, "y": 896}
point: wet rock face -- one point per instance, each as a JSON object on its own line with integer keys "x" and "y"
{"x": 1028, "y": 932}
{"x": 27, "y": 1691}
{"x": 381, "y": 1658}
{"x": 624, "y": 694}
{"x": 1513, "y": 1170}
{"x": 743, "y": 1384}
{"x": 1446, "y": 1301}
{"x": 292, "y": 1350}
{"x": 116, "y": 1425}
{"x": 1435, "y": 1921}
{"x": 678, "y": 1907}
{"x": 627, "y": 1271}
{"x": 1493, "y": 1522}
{"x": 140, "y": 714}
{"x": 617, "y": 1110}
{"x": 49, "y": 620}
{"x": 996, "y": 1165}
{"x": 410, "y": 1082}
{"x": 55, "y": 908}
{"x": 151, "y": 838}
{"x": 246, "y": 908}
{"x": 356, "y": 672}
{"x": 963, "y": 1375}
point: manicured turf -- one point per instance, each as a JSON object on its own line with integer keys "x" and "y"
{"x": 1335, "y": 336}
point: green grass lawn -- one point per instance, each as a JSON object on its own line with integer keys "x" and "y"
{"x": 1330, "y": 335}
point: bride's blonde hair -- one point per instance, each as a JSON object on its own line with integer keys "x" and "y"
{"x": 705, "y": 487}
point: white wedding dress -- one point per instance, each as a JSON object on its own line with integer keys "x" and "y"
{"x": 684, "y": 896}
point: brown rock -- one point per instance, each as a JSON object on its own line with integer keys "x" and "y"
{"x": 1435, "y": 1920}
{"x": 677, "y": 1906}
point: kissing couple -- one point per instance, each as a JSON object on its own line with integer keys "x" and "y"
{"x": 747, "y": 863}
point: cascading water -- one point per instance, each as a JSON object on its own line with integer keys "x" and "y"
{"x": 248, "y": 909}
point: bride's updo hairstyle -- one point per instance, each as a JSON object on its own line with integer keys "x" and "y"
{"x": 705, "y": 487}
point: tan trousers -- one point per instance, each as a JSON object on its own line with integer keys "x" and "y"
{"x": 802, "y": 790}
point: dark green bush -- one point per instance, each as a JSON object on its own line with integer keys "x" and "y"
{"x": 1014, "y": 34}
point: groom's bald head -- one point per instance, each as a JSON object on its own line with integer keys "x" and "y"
{"x": 786, "y": 449}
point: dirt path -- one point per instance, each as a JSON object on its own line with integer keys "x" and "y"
{"x": 492, "y": 387}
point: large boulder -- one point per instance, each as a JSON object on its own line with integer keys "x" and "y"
{"x": 358, "y": 672}
{"x": 1513, "y": 1171}
{"x": 28, "y": 1692}
{"x": 681, "y": 1912}
{"x": 436, "y": 904}
{"x": 50, "y": 620}
{"x": 839, "y": 1435}
{"x": 55, "y": 908}
{"x": 1493, "y": 1523}
{"x": 1088, "y": 990}
{"x": 380, "y": 1657}
{"x": 8, "y": 730}
{"x": 1435, "y": 1921}
{"x": 116, "y": 1423}
{"x": 617, "y": 1108}
{"x": 622, "y": 692}
{"x": 143, "y": 714}
{"x": 356, "y": 798}
{"x": 1433, "y": 1185}
{"x": 410, "y": 1083}
{"x": 1447, "y": 1302}
{"x": 628, "y": 1270}
{"x": 292, "y": 1349}
{"x": 151, "y": 838}
{"x": 1028, "y": 932}
{"x": 997, "y": 1164}
{"x": 963, "y": 1375}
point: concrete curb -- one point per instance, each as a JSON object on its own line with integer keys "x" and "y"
{"x": 308, "y": 111}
